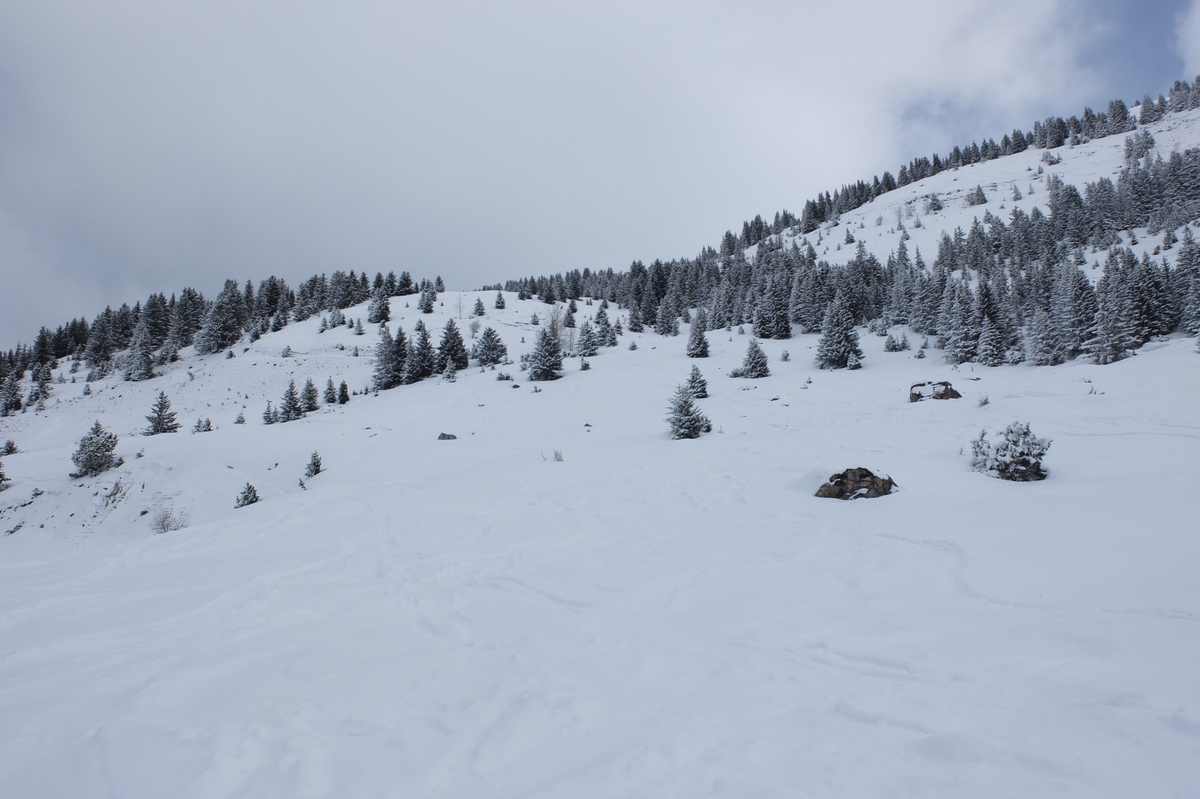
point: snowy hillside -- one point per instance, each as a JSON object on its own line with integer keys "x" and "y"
{"x": 564, "y": 601}
{"x": 876, "y": 223}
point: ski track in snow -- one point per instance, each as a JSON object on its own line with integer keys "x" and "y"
{"x": 646, "y": 618}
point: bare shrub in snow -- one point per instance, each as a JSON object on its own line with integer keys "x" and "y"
{"x": 167, "y": 520}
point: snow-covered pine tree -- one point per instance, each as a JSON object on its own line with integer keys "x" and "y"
{"x": 1017, "y": 456}
{"x": 248, "y": 496}
{"x": 585, "y": 343}
{"x": 139, "y": 361}
{"x": 10, "y": 395}
{"x": 697, "y": 346}
{"x": 314, "y": 465}
{"x": 98, "y": 354}
{"x": 310, "y": 399}
{"x": 386, "y": 374}
{"x": 343, "y": 393}
{"x": 202, "y": 426}
{"x": 95, "y": 453}
{"x": 1110, "y": 339}
{"x": 666, "y": 323}
{"x": 489, "y": 349}
{"x": 290, "y": 407}
{"x": 162, "y": 418}
{"x": 545, "y": 362}
{"x": 380, "y": 309}
{"x": 839, "y": 341}
{"x": 991, "y": 350}
{"x": 270, "y": 415}
{"x": 426, "y": 303}
{"x": 223, "y": 326}
{"x": 605, "y": 336}
{"x": 4, "y": 481}
{"x": 635, "y": 319}
{"x": 697, "y": 384}
{"x": 421, "y": 363}
{"x": 330, "y": 396}
{"x": 1041, "y": 344}
{"x": 684, "y": 417}
{"x": 478, "y": 310}
{"x": 499, "y": 301}
{"x": 754, "y": 364}
{"x": 451, "y": 350}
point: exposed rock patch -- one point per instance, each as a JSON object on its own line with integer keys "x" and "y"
{"x": 931, "y": 390}
{"x": 856, "y": 484}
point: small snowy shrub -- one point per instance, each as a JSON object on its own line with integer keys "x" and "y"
{"x": 248, "y": 496}
{"x": 314, "y": 465}
{"x": 9, "y": 448}
{"x": 684, "y": 417}
{"x": 755, "y": 363}
{"x": 1016, "y": 456}
{"x": 95, "y": 453}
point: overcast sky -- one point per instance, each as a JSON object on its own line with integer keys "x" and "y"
{"x": 145, "y": 146}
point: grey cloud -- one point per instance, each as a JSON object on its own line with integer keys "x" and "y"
{"x": 147, "y": 146}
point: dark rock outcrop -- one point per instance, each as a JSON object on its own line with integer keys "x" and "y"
{"x": 856, "y": 484}
{"x": 931, "y": 390}
{"x": 446, "y": 437}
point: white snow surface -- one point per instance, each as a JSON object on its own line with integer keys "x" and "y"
{"x": 875, "y": 224}
{"x": 645, "y": 618}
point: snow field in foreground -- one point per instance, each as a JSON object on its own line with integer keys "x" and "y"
{"x": 647, "y": 617}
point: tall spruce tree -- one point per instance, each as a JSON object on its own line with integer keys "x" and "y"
{"x": 386, "y": 375}
{"x": 309, "y": 397}
{"x": 490, "y": 350}
{"x": 421, "y": 362}
{"x": 290, "y": 407}
{"x": 697, "y": 346}
{"x": 697, "y": 384}
{"x": 451, "y": 350}
{"x": 379, "y": 310}
{"x": 585, "y": 343}
{"x": 839, "y": 341}
{"x": 225, "y": 321}
{"x": 139, "y": 361}
{"x": 754, "y": 365}
{"x": 546, "y": 361}
{"x": 10, "y": 395}
{"x": 162, "y": 418}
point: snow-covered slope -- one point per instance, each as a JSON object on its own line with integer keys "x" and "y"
{"x": 875, "y": 224}
{"x": 644, "y": 617}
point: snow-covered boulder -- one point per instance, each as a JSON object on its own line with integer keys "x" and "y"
{"x": 930, "y": 390}
{"x": 856, "y": 484}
